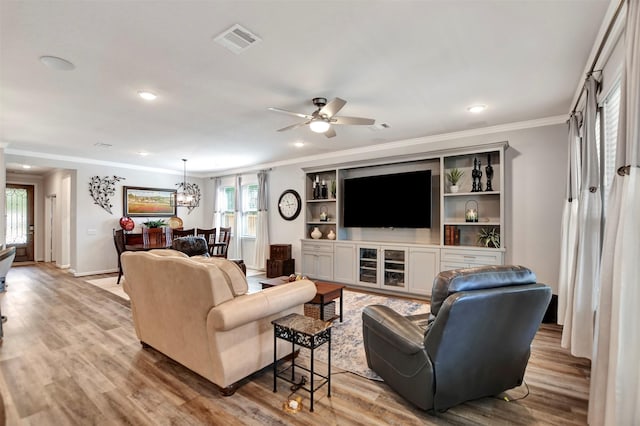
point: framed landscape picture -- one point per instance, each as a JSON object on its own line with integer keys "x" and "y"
{"x": 149, "y": 202}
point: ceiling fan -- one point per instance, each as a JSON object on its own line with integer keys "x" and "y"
{"x": 320, "y": 120}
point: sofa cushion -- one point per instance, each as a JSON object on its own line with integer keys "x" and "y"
{"x": 191, "y": 245}
{"x": 236, "y": 279}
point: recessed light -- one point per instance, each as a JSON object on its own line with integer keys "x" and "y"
{"x": 477, "y": 108}
{"x": 56, "y": 63}
{"x": 148, "y": 96}
{"x": 143, "y": 153}
{"x": 26, "y": 166}
{"x": 298, "y": 144}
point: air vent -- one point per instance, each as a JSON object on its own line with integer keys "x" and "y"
{"x": 380, "y": 126}
{"x": 237, "y": 39}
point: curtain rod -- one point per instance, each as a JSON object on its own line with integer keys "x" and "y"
{"x": 605, "y": 38}
{"x": 247, "y": 172}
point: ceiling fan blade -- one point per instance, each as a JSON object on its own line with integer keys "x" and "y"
{"x": 352, "y": 120}
{"x": 297, "y": 114}
{"x": 332, "y": 107}
{"x": 330, "y": 133}
{"x": 293, "y": 126}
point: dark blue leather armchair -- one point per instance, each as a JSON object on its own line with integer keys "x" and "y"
{"x": 477, "y": 343}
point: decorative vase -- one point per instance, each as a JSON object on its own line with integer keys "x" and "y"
{"x": 316, "y": 234}
{"x": 454, "y": 188}
{"x": 331, "y": 235}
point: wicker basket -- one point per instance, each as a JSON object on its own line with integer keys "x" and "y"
{"x": 313, "y": 310}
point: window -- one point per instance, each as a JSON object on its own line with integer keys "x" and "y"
{"x": 249, "y": 214}
{"x": 249, "y": 210}
{"x": 227, "y": 207}
{"x": 610, "y": 112}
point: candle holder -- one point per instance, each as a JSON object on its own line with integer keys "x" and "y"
{"x": 471, "y": 213}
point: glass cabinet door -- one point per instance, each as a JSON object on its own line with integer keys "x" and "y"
{"x": 368, "y": 265}
{"x": 394, "y": 268}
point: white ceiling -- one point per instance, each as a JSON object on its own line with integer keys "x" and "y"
{"x": 415, "y": 65}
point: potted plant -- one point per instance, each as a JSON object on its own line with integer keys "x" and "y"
{"x": 454, "y": 177}
{"x": 489, "y": 238}
{"x": 155, "y": 223}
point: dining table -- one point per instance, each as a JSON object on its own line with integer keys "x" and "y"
{"x": 144, "y": 247}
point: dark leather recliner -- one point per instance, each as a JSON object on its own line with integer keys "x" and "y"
{"x": 477, "y": 344}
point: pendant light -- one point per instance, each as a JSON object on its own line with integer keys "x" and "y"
{"x": 184, "y": 198}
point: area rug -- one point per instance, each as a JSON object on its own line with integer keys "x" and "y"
{"x": 347, "y": 349}
{"x": 111, "y": 285}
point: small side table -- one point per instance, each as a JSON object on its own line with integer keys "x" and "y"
{"x": 309, "y": 333}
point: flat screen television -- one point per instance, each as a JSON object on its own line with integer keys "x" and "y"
{"x": 399, "y": 200}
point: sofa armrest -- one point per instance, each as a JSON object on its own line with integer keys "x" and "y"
{"x": 252, "y": 307}
{"x": 397, "y": 330}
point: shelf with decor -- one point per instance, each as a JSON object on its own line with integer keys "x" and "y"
{"x": 321, "y": 204}
{"x": 472, "y": 210}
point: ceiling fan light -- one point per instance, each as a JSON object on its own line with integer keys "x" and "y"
{"x": 319, "y": 125}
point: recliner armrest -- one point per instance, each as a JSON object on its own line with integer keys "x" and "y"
{"x": 397, "y": 330}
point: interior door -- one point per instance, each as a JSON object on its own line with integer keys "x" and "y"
{"x": 20, "y": 221}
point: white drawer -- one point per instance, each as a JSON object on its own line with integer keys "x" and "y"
{"x": 471, "y": 257}
{"x": 310, "y": 246}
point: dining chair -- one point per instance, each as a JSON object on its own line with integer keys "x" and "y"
{"x": 183, "y": 232}
{"x": 222, "y": 246}
{"x": 168, "y": 236}
{"x": 210, "y": 236}
{"x": 118, "y": 240}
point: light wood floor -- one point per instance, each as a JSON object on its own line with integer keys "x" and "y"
{"x": 70, "y": 357}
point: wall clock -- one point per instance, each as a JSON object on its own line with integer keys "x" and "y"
{"x": 289, "y": 204}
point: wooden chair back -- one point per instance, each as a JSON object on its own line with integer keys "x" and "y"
{"x": 223, "y": 237}
{"x": 183, "y": 232}
{"x": 210, "y": 236}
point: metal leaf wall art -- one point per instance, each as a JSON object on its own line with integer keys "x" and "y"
{"x": 191, "y": 189}
{"x": 102, "y": 189}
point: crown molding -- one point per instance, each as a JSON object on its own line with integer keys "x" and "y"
{"x": 520, "y": 125}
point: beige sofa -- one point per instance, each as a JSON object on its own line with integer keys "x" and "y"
{"x": 196, "y": 311}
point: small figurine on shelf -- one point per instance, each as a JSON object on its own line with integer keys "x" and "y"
{"x": 489, "y": 170}
{"x": 476, "y": 174}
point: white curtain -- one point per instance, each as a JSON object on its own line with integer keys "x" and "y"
{"x": 577, "y": 333}
{"x": 217, "y": 182}
{"x": 614, "y": 398}
{"x": 569, "y": 248}
{"x": 236, "y": 249}
{"x": 262, "y": 227}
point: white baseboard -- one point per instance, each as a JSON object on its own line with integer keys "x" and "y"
{"x": 84, "y": 274}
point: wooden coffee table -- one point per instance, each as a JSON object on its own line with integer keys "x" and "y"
{"x": 325, "y": 292}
